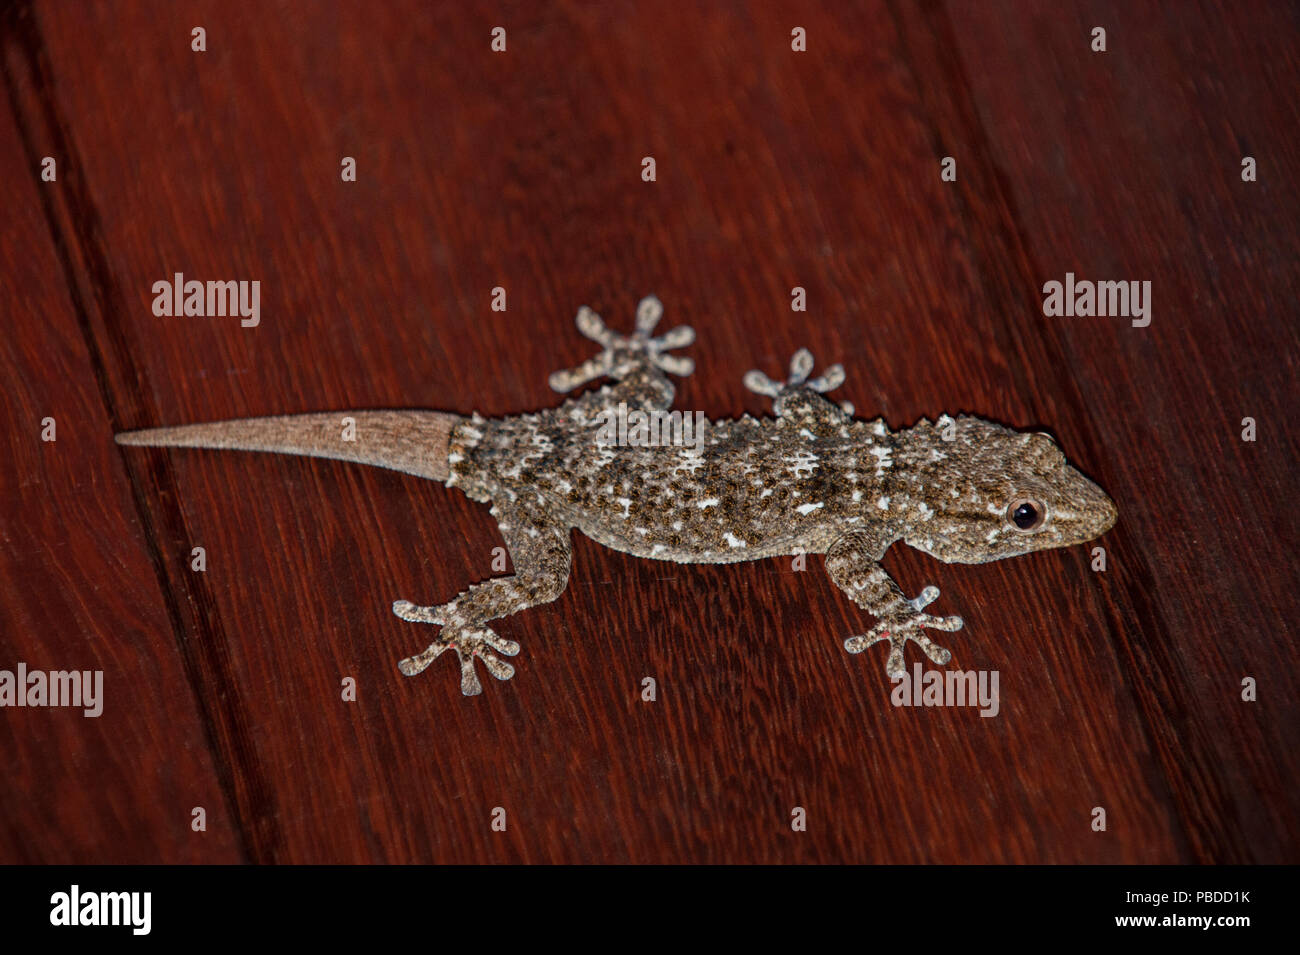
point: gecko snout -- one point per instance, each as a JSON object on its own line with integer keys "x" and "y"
{"x": 1098, "y": 509}
{"x": 1109, "y": 516}
{"x": 1080, "y": 511}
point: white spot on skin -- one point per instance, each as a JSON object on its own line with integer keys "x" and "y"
{"x": 809, "y": 508}
{"x": 624, "y": 503}
{"x": 656, "y": 549}
{"x": 857, "y": 496}
{"x": 708, "y": 502}
{"x": 883, "y": 503}
{"x": 733, "y": 540}
{"x": 767, "y": 492}
{"x": 808, "y": 434}
{"x": 691, "y": 460}
{"x": 801, "y": 462}
{"x": 926, "y": 512}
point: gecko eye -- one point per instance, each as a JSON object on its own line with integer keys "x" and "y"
{"x": 1026, "y": 514}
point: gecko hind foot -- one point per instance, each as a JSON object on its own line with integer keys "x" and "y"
{"x": 902, "y": 627}
{"x": 622, "y": 352}
{"x": 469, "y": 642}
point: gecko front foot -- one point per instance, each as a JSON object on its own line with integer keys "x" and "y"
{"x": 623, "y": 353}
{"x": 902, "y": 626}
{"x": 467, "y": 640}
{"x": 801, "y": 366}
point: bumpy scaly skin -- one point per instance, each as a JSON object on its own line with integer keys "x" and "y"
{"x": 812, "y": 480}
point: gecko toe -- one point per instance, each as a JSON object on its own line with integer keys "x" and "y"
{"x": 420, "y": 662}
{"x": 947, "y": 624}
{"x": 679, "y": 337}
{"x": 869, "y": 639}
{"x": 509, "y": 647}
{"x": 801, "y": 366}
{"x": 648, "y": 312}
{"x": 469, "y": 683}
{"x": 679, "y": 365}
{"x": 894, "y": 666}
{"x": 760, "y": 384}
{"x": 927, "y": 596}
{"x": 938, "y": 654}
{"x": 415, "y": 613}
{"x": 499, "y": 668}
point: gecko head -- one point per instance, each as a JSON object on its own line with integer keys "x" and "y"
{"x": 977, "y": 491}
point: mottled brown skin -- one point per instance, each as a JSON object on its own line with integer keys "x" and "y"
{"x": 811, "y": 480}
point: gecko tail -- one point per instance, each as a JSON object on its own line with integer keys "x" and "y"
{"x": 414, "y": 442}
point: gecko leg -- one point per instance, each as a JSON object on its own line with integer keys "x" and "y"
{"x": 853, "y": 563}
{"x": 541, "y": 552}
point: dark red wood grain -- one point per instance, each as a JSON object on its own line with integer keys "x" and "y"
{"x": 775, "y": 169}
{"x": 77, "y": 584}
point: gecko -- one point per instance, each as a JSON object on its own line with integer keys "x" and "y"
{"x": 813, "y": 479}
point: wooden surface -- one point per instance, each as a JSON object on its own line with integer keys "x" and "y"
{"x": 775, "y": 169}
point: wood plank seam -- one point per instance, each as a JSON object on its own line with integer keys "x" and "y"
{"x": 1140, "y": 636}
{"x": 75, "y": 234}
